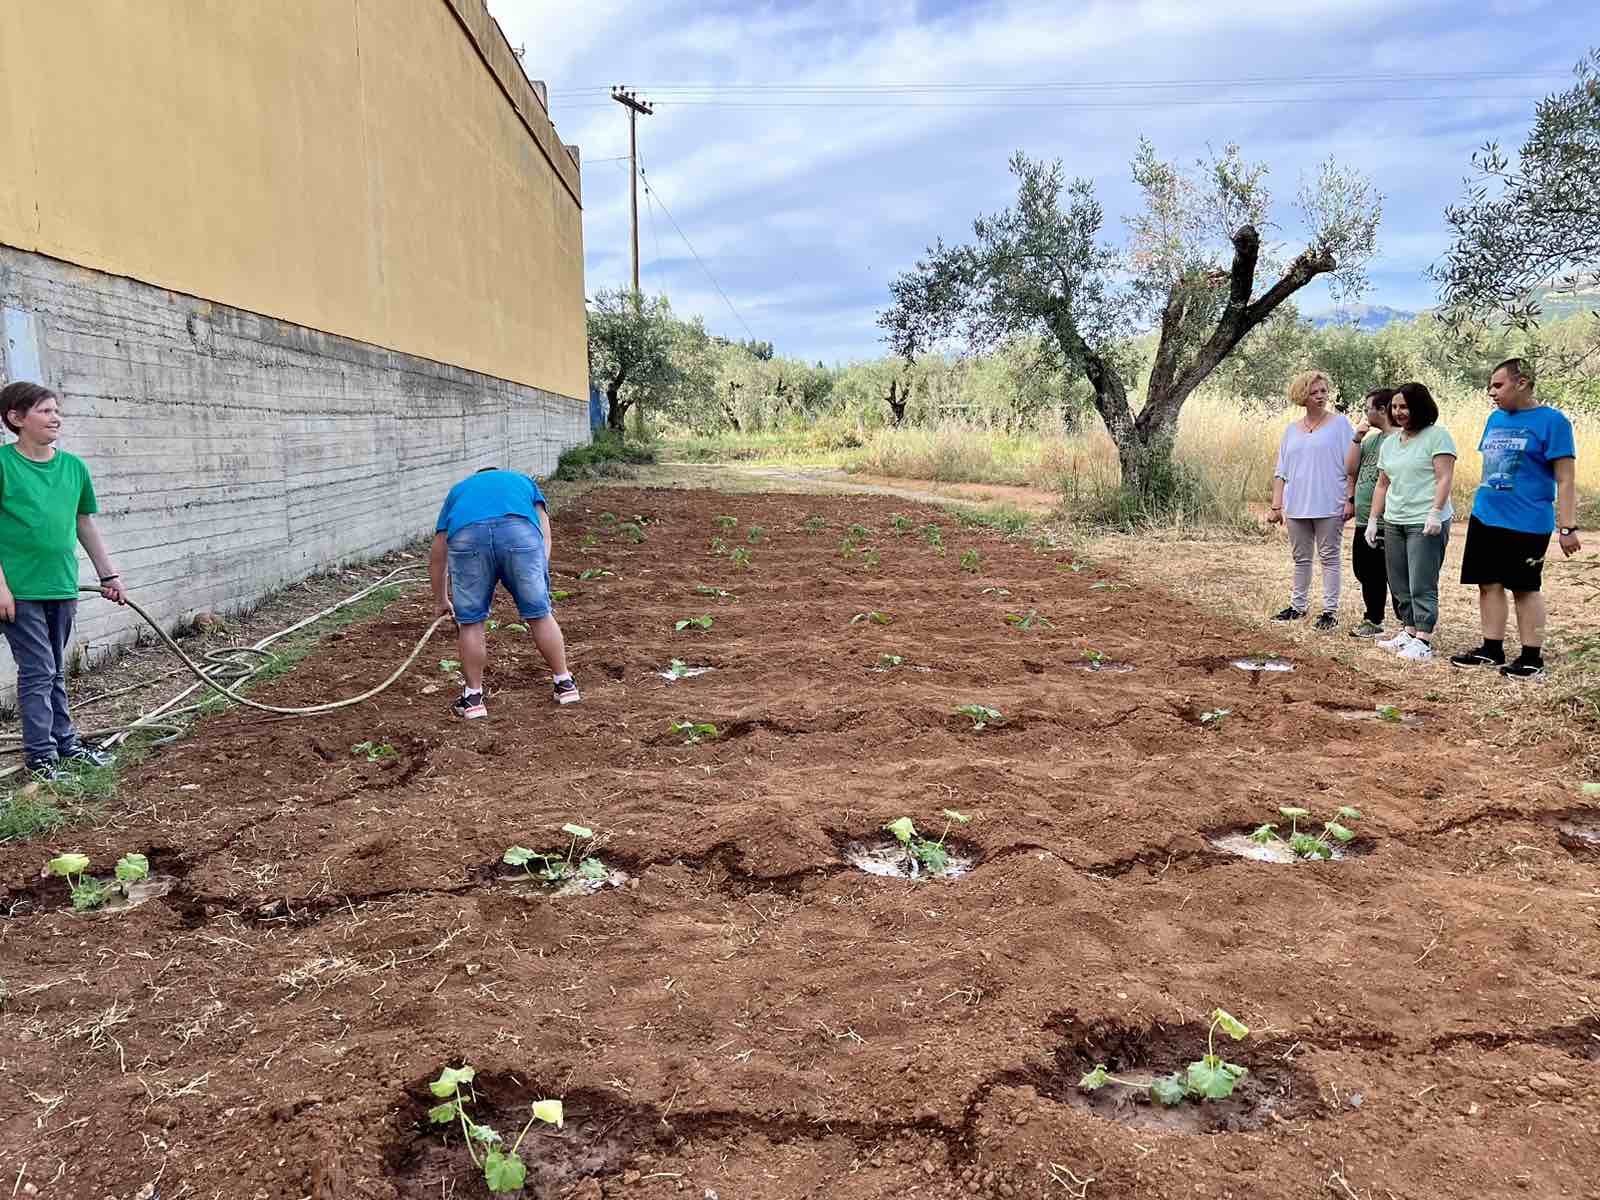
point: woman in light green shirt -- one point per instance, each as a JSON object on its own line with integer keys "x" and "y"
{"x": 1412, "y": 501}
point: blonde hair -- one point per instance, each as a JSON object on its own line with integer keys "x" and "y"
{"x": 1300, "y": 386}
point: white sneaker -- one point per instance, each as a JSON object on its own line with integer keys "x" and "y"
{"x": 1395, "y": 641}
{"x": 1416, "y": 650}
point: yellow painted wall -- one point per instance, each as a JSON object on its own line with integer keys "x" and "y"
{"x": 355, "y": 166}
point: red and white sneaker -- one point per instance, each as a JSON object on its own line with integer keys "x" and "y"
{"x": 566, "y": 691}
{"x": 469, "y": 706}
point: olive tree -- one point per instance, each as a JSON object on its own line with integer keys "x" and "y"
{"x": 630, "y": 349}
{"x": 1526, "y": 225}
{"x": 1188, "y": 273}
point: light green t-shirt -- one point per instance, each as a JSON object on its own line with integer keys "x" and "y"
{"x": 1408, "y": 462}
{"x": 1367, "y": 472}
{"x": 39, "y": 508}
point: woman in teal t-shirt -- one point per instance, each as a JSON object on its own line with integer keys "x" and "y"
{"x": 1412, "y": 500}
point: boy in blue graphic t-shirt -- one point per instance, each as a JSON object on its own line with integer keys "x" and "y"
{"x": 1529, "y": 472}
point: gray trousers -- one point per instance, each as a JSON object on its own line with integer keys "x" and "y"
{"x": 38, "y": 639}
{"x": 1414, "y": 559}
{"x": 1323, "y": 534}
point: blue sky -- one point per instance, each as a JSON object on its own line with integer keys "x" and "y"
{"x": 804, "y": 199}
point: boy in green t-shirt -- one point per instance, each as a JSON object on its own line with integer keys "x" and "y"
{"x": 46, "y": 502}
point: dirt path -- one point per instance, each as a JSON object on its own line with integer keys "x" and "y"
{"x": 749, "y": 1015}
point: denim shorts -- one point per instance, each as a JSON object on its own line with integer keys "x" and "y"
{"x": 508, "y": 550}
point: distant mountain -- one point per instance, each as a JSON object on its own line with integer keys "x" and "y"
{"x": 1365, "y": 317}
{"x": 1555, "y": 303}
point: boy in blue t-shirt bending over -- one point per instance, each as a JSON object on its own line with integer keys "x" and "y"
{"x": 1529, "y": 472}
{"x": 494, "y": 529}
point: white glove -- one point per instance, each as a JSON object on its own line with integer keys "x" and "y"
{"x": 1434, "y": 523}
{"x": 1372, "y": 532}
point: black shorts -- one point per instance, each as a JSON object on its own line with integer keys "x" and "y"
{"x": 1509, "y": 557}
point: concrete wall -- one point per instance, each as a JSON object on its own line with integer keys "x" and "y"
{"x": 379, "y": 169}
{"x": 233, "y": 453}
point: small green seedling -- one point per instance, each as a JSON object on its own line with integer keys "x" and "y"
{"x": 754, "y": 534}
{"x": 875, "y": 617}
{"x": 995, "y": 591}
{"x": 449, "y": 664}
{"x": 678, "y": 669}
{"x": 375, "y": 751}
{"x": 932, "y": 534}
{"x": 1093, "y": 657}
{"x": 1213, "y": 718}
{"x": 870, "y": 559}
{"x": 969, "y": 561}
{"x": 932, "y": 855}
{"x": 607, "y": 518}
{"x": 718, "y": 545}
{"x": 815, "y": 524}
{"x": 1390, "y": 712}
{"x": 89, "y": 893}
{"x": 725, "y": 522}
{"x": 553, "y": 867}
{"x": 560, "y": 595}
{"x": 631, "y": 531}
{"x": 491, "y": 624}
{"x": 1028, "y": 620}
{"x": 1306, "y": 845}
{"x": 857, "y": 533}
{"x": 589, "y": 573}
{"x": 516, "y": 627}
{"x": 1074, "y": 567}
{"x": 741, "y": 559}
{"x": 694, "y": 733}
{"x": 1591, "y": 790}
{"x": 848, "y": 548}
{"x": 888, "y": 662}
{"x": 588, "y": 540}
{"x": 719, "y": 593}
{"x": 1105, "y": 585}
{"x": 503, "y": 1170}
{"x": 701, "y": 622}
{"x": 901, "y": 524}
{"x": 1207, "y": 1078}
{"x": 982, "y": 716}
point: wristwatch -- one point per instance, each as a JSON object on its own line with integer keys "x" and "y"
{"x": 1568, "y": 530}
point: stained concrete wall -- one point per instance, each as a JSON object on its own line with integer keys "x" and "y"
{"x": 379, "y": 169}
{"x": 233, "y": 453}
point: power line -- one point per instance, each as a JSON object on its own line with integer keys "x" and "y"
{"x": 652, "y": 191}
{"x": 650, "y": 216}
{"x": 1076, "y": 106}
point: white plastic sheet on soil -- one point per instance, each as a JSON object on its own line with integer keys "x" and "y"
{"x": 892, "y": 859}
{"x": 1272, "y": 852}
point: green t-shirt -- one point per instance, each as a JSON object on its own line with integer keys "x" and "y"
{"x": 1367, "y": 473}
{"x": 39, "y": 508}
{"x": 1408, "y": 462}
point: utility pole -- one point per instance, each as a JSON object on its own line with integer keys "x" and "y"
{"x": 635, "y": 106}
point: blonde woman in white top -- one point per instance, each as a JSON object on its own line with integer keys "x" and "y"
{"x": 1310, "y": 490}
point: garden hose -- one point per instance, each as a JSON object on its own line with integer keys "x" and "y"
{"x": 230, "y": 665}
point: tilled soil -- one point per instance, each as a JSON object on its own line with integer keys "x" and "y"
{"x": 748, "y": 1016}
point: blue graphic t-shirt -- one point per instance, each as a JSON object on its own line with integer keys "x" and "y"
{"x": 489, "y": 494}
{"x": 1519, "y": 481}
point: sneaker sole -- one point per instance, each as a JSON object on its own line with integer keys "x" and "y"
{"x": 471, "y": 714}
{"x": 568, "y": 698}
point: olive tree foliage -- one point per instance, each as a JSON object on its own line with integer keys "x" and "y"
{"x": 630, "y": 349}
{"x": 1188, "y": 273}
{"x": 1532, "y": 223}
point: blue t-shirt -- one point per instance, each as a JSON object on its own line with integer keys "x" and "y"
{"x": 1519, "y": 481}
{"x": 489, "y": 494}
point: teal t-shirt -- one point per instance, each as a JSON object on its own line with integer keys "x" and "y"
{"x": 40, "y": 503}
{"x": 1408, "y": 462}
{"x": 1367, "y": 472}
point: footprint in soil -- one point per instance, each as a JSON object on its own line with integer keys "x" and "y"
{"x": 1272, "y": 1091}
{"x": 598, "y": 1138}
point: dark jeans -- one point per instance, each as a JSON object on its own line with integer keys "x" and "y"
{"x": 1372, "y": 572}
{"x": 38, "y": 639}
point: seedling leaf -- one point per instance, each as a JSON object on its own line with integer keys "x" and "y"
{"x": 1231, "y": 1025}
{"x": 1345, "y": 813}
{"x": 132, "y": 867}
{"x": 577, "y": 831}
{"x": 443, "y": 1114}
{"x": 1263, "y": 834}
{"x": 69, "y": 864}
{"x": 517, "y": 856}
{"x": 88, "y": 894}
{"x": 903, "y": 830}
{"x": 503, "y": 1171}
{"x": 1096, "y": 1078}
{"x": 1292, "y": 812}
{"x": 933, "y": 856}
{"x": 952, "y": 815}
{"x": 1168, "y": 1090}
{"x": 1211, "y": 1078}
{"x": 1591, "y": 789}
{"x": 1339, "y": 831}
{"x": 550, "y": 1112}
{"x": 592, "y": 868}
{"x": 450, "y": 1079}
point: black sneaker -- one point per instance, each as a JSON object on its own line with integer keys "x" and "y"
{"x": 1289, "y": 614}
{"x": 43, "y": 770}
{"x": 1325, "y": 622}
{"x": 1522, "y": 670}
{"x": 85, "y": 756}
{"x": 470, "y": 706}
{"x": 1477, "y": 658}
{"x": 566, "y": 691}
